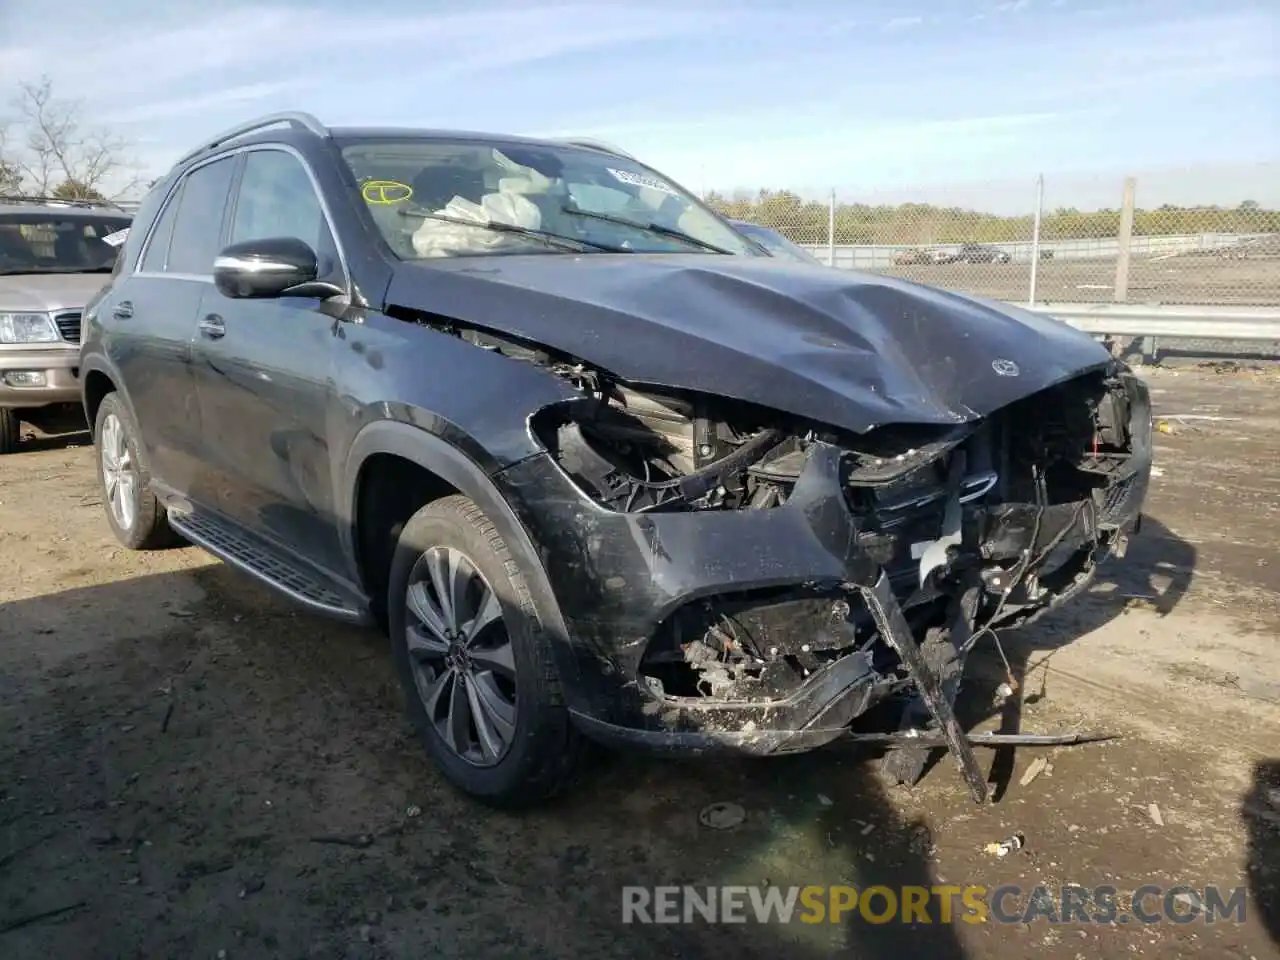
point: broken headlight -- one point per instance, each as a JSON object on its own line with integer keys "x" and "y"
{"x": 635, "y": 451}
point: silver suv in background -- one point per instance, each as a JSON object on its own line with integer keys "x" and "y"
{"x": 54, "y": 256}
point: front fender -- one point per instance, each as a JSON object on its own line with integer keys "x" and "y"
{"x": 96, "y": 362}
{"x": 464, "y": 474}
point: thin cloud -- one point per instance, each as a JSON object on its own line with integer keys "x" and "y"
{"x": 571, "y": 65}
{"x": 903, "y": 23}
{"x": 183, "y": 106}
{"x": 897, "y": 151}
{"x": 230, "y": 43}
{"x": 738, "y": 132}
{"x": 1176, "y": 55}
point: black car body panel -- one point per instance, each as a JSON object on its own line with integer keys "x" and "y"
{"x": 848, "y": 349}
{"x": 669, "y": 444}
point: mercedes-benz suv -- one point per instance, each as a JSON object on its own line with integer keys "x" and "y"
{"x": 598, "y": 465}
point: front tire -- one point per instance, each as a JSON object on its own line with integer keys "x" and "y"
{"x": 475, "y": 661}
{"x": 10, "y": 431}
{"x": 134, "y": 514}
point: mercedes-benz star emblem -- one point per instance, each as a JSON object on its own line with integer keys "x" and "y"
{"x": 1005, "y": 368}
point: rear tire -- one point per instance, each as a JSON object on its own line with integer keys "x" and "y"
{"x": 134, "y": 514}
{"x": 467, "y": 639}
{"x": 10, "y": 431}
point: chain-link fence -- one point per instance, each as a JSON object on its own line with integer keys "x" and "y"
{"x": 1044, "y": 250}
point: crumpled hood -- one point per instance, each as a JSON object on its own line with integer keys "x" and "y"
{"x": 847, "y": 349}
{"x": 45, "y": 292}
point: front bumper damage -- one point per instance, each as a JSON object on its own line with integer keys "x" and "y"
{"x": 826, "y": 613}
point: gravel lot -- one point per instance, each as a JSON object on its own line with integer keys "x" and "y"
{"x": 179, "y": 752}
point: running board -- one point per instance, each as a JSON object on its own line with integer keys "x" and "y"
{"x": 266, "y": 563}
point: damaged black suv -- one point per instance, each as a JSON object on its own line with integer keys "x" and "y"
{"x": 599, "y": 465}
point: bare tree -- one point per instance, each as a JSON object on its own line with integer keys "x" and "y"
{"x": 63, "y": 154}
{"x": 10, "y": 175}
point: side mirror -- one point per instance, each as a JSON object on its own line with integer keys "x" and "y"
{"x": 271, "y": 267}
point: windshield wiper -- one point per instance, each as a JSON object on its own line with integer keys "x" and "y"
{"x": 554, "y": 239}
{"x": 649, "y": 228}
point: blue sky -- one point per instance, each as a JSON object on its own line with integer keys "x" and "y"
{"x": 958, "y": 100}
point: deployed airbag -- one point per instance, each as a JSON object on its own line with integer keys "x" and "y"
{"x": 438, "y": 238}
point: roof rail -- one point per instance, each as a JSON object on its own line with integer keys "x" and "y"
{"x": 295, "y": 119}
{"x": 58, "y": 201}
{"x": 593, "y": 144}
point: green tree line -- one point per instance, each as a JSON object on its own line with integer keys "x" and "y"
{"x": 922, "y": 223}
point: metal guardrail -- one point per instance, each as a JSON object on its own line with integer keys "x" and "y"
{"x": 1184, "y": 323}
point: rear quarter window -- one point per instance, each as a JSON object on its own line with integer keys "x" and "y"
{"x": 142, "y": 220}
{"x": 153, "y": 261}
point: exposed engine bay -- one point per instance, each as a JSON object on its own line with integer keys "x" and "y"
{"x": 968, "y": 526}
{"x": 1062, "y": 454}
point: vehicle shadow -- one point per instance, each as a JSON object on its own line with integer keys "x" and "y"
{"x": 191, "y": 762}
{"x": 54, "y": 429}
{"x": 1260, "y": 813}
{"x": 55, "y": 441}
{"x": 821, "y": 819}
{"x": 189, "y": 707}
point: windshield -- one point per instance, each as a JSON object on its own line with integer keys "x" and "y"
{"x": 776, "y": 243}
{"x": 447, "y": 198}
{"x": 52, "y": 243}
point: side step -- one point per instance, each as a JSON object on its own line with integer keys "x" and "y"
{"x": 267, "y": 563}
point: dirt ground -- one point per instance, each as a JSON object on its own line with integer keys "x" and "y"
{"x": 191, "y": 768}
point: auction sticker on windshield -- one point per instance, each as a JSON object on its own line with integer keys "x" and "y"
{"x": 117, "y": 238}
{"x": 639, "y": 180}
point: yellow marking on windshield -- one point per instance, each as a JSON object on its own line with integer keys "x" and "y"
{"x": 385, "y": 192}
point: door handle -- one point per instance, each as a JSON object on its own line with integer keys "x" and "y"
{"x": 212, "y": 327}
{"x": 123, "y": 310}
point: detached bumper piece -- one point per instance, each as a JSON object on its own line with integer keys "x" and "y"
{"x": 896, "y": 632}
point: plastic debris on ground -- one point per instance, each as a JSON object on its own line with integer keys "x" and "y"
{"x": 722, "y": 816}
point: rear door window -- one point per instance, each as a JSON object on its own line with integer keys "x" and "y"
{"x": 197, "y": 231}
